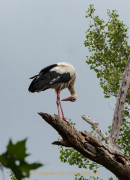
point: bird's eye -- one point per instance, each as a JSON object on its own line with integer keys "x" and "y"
{"x": 73, "y": 99}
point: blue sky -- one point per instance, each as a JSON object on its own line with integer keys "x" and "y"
{"x": 33, "y": 35}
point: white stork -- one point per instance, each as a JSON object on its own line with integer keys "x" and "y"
{"x": 57, "y": 76}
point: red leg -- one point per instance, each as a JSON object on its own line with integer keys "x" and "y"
{"x": 59, "y": 103}
{"x": 58, "y": 109}
{"x": 63, "y": 117}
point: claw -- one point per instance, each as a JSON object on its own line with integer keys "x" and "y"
{"x": 65, "y": 120}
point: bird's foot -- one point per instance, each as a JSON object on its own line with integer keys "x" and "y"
{"x": 65, "y": 120}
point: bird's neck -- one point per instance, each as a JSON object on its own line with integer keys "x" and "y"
{"x": 72, "y": 90}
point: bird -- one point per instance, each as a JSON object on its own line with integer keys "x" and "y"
{"x": 56, "y": 76}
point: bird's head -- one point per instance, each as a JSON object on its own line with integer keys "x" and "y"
{"x": 72, "y": 98}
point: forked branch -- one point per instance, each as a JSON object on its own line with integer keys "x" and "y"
{"x": 117, "y": 117}
{"x": 96, "y": 127}
{"x": 90, "y": 146}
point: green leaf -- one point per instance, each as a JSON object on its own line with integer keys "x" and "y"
{"x": 14, "y": 158}
{"x": 19, "y": 149}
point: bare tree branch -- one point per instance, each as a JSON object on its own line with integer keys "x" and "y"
{"x": 90, "y": 146}
{"x": 116, "y": 124}
{"x": 96, "y": 127}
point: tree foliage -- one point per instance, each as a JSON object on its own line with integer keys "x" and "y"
{"x": 14, "y": 159}
{"x": 109, "y": 52}
{"x": 12, "y": 176}
{"x": 108, "y": 45}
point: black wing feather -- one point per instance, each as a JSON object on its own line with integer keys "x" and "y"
{"x": 59, "y": 78}
{"x": 48, "y": 68}
{"x": 47, "y": 78}
{"x": 45, "y": 70}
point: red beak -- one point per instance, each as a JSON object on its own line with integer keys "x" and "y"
{"x": 67, "y": 99}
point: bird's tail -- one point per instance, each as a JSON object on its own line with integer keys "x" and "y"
{"x": 38, "y": 85}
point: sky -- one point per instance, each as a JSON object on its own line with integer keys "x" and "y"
{"x": 33, "y": 35}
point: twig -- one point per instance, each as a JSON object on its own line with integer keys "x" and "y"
{"x": 110, "y": 107}
{"x": 96, "y": 127}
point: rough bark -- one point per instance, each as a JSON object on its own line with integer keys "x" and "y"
{"x": 116, "y": 124}
{"x": 90, "y": 146}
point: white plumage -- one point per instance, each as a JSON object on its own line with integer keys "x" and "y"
{"x": 57, "y": 76}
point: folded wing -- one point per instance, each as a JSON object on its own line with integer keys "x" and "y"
{"x": 46, "y": 78}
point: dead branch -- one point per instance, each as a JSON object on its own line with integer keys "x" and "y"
{"x": 90, "y": 146}
{"x": 112, "y": 140}
{"x": 96, "y": 127}
{"x": 116, "y": 124}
